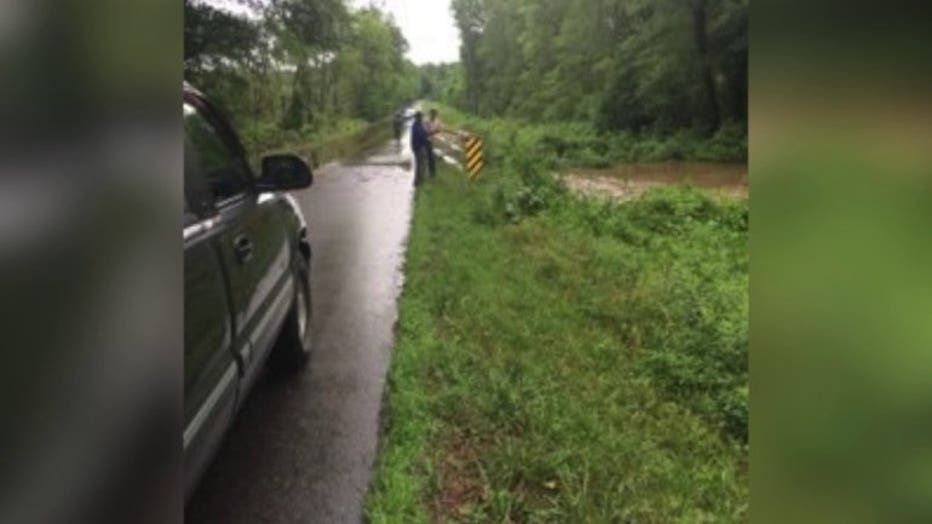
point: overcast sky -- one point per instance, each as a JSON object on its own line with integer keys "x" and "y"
{"x": 427, "y": 25}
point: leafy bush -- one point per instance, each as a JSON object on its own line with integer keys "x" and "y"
{"x": 695, "y": 281}
{"x": 522, "y": 188}
{"x": 669, "y": 210}
{"x": 731, "y": 142}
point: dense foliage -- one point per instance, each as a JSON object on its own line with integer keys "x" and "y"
{"x": 636, "y": 65}
{"x": 296, "y": 69}
{"x": 561, "y": 145}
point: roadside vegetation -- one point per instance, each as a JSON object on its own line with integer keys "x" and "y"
{"x": 568, "y": 360}
{"x": 561, "y": 145}
{"x": 298, "y": 74}
{"x": 643, "y": 66}
{"x": 600, "y": 82}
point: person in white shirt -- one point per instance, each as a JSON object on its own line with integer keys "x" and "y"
{"x": 433, "y": 128}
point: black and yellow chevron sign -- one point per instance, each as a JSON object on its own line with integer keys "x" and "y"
{"x": 474, "y": 160}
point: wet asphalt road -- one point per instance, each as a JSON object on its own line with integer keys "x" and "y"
{"x": 302, "y": 448}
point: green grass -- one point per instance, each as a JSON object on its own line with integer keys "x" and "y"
{"x": 567, "y": 361}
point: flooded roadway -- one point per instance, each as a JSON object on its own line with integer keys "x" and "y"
{"x": 302, "y": 448}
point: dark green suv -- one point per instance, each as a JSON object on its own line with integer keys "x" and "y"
{"x": 247, "y": 261}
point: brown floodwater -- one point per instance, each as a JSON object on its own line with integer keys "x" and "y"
{"x": 701, "y": 174}
{"x": 631, "y": 180}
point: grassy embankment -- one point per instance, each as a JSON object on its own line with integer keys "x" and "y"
{"x": 565, "y": 360}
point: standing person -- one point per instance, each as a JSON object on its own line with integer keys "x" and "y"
{"x": 420, "y": 145}
{"x": 433, "y": 127}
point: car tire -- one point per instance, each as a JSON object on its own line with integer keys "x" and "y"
{"x": 293, "y": 348}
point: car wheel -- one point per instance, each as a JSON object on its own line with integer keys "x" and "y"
{"x": 293, "y": 347}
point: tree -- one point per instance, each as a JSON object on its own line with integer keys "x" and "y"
{"x": 298, "y": 66}
{"x": 470, "y": 19}
{"x": 710, "y": 103}
{"x": 637, "y": 65}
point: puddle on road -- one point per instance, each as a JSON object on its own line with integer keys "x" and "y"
{"x": 629, "y": 181}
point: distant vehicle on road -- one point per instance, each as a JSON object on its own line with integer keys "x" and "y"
{"x": 247, "y": 300}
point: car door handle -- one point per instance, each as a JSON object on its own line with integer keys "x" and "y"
{"x": 243, "y": 248}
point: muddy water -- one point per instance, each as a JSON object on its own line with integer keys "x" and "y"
{"x": 631, "y": 180}
{"x": 701, "y": 174}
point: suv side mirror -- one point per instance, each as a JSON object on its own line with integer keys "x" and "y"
{"x": 284, "y": 172}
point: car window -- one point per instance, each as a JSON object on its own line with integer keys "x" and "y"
{"x": 212, "y": 171}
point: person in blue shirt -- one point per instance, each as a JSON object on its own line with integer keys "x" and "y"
{"x": 419, "y": 146}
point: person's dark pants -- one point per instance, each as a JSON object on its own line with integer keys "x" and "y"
{"x": 420, "y": 165}
{"x": 431, "y": 161}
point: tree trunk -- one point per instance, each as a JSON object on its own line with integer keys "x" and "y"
{"x": 710, "y": 111}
